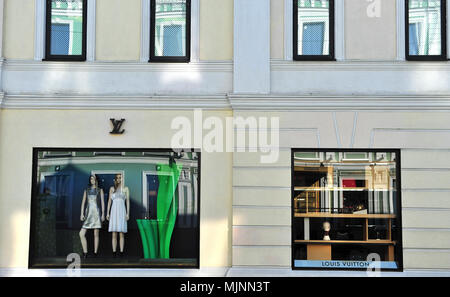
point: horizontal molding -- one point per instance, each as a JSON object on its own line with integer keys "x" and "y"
{"x": 113, "y": 102}
{"x": 425, "y": 209}
{"x": 406, "y": 189}
{"x": 117, "y": 66}
{"x": 229, "y": 101}
{"x": 347, "y": 102}
{"x": 426, "y": 229}
{"x": 427, "y": 250}
{"x": 426, "y": 169}
{"x": 353, "y": 65}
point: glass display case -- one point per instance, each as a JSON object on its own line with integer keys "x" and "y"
{"x": 345, "y": 209}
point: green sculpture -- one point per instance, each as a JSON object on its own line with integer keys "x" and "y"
{"x": 156, "y": 234}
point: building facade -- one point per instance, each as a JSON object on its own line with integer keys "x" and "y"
{"x": 355, "y": 92}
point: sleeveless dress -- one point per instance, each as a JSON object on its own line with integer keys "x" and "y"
{"x": 117, "y": 216}
{"x": 92, "y": 214}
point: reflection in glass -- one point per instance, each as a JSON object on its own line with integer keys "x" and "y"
{"x": 162, "y": 229}
{"x": 345, "y": 208}
{"x": 66, "y": 32}
{"x": 313, "y": 27}
{"x": 424, "y": 27}
{"x": 170, "y": 28}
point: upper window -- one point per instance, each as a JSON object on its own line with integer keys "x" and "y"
{"x": 426, "y": 30}
{"x": 66, "y": 30}
{"x": 313, "y": 29}
{"x": 170, "y": 30}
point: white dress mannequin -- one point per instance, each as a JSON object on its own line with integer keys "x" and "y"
{"x": 118, "y": 212}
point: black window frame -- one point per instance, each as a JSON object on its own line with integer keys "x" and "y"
{"x": 331, "y": 55}
{"x": 398, "y": 232}
{"x": 48, "y": 27}
{"x": 170, "y": 59}
{"x": 119, "y": 265}
{"x": 443, "y": 55}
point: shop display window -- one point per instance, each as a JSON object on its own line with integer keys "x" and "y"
{"x": 346, "y": 209}
{"x": 115, "y": 208}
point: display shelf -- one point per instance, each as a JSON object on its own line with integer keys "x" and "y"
{"x": 383, "y": 242}
{"x": 344, "y": 215}
{"x": 358, "y": 189}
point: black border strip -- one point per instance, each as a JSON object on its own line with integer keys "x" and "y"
{"x": 398, "y": 231}
{"x": 34, "y": 192}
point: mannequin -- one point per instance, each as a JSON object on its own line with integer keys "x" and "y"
{"x": 92, "y": 218}
{"x": 118, "y": 212}
{"x": 326, "y": 229}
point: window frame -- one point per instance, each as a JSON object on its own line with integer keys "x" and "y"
{"x": 331, "y": 37}
{"x": 35, "y": 187}
{"x": 398, "y": 232}
{"x": 170, "y": 59}
{"x": 48, "y": 27}
{"x": 443, "y": 55}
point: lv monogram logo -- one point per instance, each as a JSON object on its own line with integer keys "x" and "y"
{"x": 117, "y": 125}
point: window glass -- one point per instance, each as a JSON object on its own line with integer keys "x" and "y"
{"x": 425, "y": 27}
{"x": 170, "y": 28}
{"x": 115, "y": 208}
{"x": 312, "y": 20}
{"x": 66, "y": 27}
{"x": 346, "y": 211}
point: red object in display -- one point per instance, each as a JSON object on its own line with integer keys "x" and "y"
{"x": 349, "y": 183}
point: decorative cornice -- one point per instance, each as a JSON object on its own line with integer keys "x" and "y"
{"x": 155, "y": 102}
{"x": 30, "y": 65}
{"x": 228, "y": 102}
{"x": 284, "y": 65}
{"x": 349, "y": 102}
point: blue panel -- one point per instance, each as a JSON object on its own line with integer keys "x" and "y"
{"x": 414, "y": 30}
{"x": 173, "y": 40}
{"x": 60, "y": 39}
{"x": 313, "y": 38}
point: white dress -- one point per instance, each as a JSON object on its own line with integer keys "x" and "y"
{"x": 117, "y": 217}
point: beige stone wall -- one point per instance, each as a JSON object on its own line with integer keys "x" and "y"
{"x": 370, "y": 38}
{"x": 18, "y": 29}
{"x": 216, "y": 30}
{"x": 261, "y": 192}
{"x": 22, "y": 130}
{"x": 118, "y": 30}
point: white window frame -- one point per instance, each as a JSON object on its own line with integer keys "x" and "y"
{"x": 145, "y": 31}
{"x": 40, "y": 23}
{"x": 339, "y": 41}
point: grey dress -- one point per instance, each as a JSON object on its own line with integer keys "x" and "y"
{"x": 92, "y": 213}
